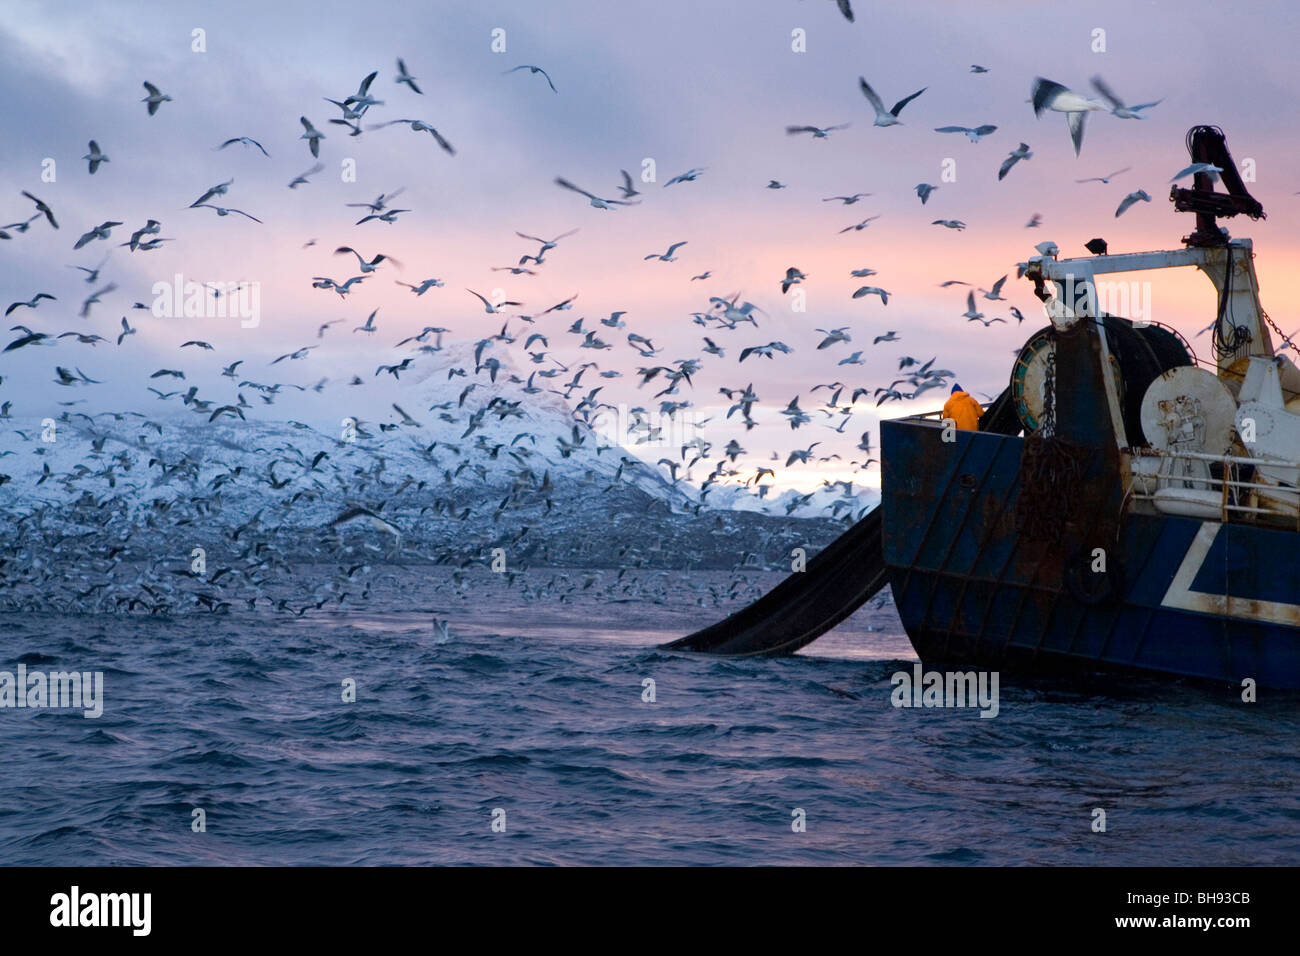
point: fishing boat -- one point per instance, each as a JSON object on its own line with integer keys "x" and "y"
{"x": 1125, "y": 505}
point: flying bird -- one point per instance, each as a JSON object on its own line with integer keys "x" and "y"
{"x": 1117, "y": 106}
{"x": 1133, "y": 197}
{"x": 1104, "y": 179}
{"x": 596, "y": 201}
{"x": 95, "y": 157}
{"x": 31, "y": 303}
{"x": 667, "y": 256}
{"x": 101, "y": 231}
{"x": 246, "y": 141}
{"x": 687, "y": 177}
{"x": 488, "y": 307}
{"x": 313, "y": 136}
{"x": 533, "y": 69}
{"x": 859, "y": 226}
{"x": 404, "y": 77}
{"x": 1048, "y": 95}
{"x": 155, "y": 98}
{"x": 886, "y": 117}
{"x": 43, "y": 209}
{"x": 974, "y": 135}
{"x": 818, "y": 132}
{"x": 1208, "y": 168}
{"x": 301, "y": 178}
{"x": 1017, "y": 154}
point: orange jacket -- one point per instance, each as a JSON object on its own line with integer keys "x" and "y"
{"x": 963, "y": 410}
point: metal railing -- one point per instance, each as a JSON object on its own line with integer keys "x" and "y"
{"x": 1238, "y": 499}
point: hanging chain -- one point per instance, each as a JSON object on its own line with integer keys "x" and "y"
{"x": 1273, "y": 325}
{"x": 1048, "y": 427}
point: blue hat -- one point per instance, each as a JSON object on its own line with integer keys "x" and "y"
{"x": 958, "y": 388}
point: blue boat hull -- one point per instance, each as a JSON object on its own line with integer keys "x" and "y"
{"x": 1184, "y": 597}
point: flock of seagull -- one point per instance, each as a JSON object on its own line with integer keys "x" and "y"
{"x": 533, "y": 333}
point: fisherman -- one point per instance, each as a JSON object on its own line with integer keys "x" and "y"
{"x": 963, "y": 410}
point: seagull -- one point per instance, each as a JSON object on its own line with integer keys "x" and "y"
{"x": 1017, "y": 314}
{"x": 793, "y": 276}
{"x": 313, "y": 136}
{"x": 101, "y": 231}
{"x": 776, "y": 184}
{"x": 207, "y": 347}
{"x": 301, "y": 178}
{"x": 94, "y": 298}
{"x": 82, "y": 338}
{"x": 950, "y": 224}
{"x": 833, "y": 336}
{"x": 862, "y": 273}
{"x": 30, "y": 338}
{"x": 1138, "y": 196}
{"x": 369, "y": 517}
{"x": 988, "y": 322}
{"x": 1035, "y": 221}
{"x": 94, "y": 157}
{"x": 381, "y": 201}
{"x": 764, "y": 350}
{"x": 890, "y": 336}
{"x": 404, "y": 77}
{"x": 43, "y": 209}
{"x": 362, "y": 96}
{"x": 818, "y": 132}
{"x": 867, "y": 290}
{"x": 390, "y": 216}
{"x": 369, "y": 325}
{"x": 923, "y": 190}
{"x": 687, "y": 177}
{"x": 995, "y": 294}
{"x": 1048, "y": 95}
{"x": 31, "y": 303}
{"x": 423, "y": 287}
{"x": 854, "y": 359}
{"x": 488, "y": 307}
{"x": 596, "y": 201}
{"x": 846, "y": 9}
{"x": 67, "y": 378}
{"x": 126, "y": 330}
{"x": 245, "y": 141}
{"x": 627, "y": 188}
{"x": 218, "y": 190}
{"x": 300, "y": 353}
{"x": 974, "y": 135}
{"x": 860, "y": 226}
{"x": 362, "y": 264}
{"x": 1017, "y": 154}
{"x": 533, "y": 69}
{"x": 976, "y": 68}
{"x": 1104, "y": 179}
{"x": 1117, "y": 106}
{"x": 419, "y": 126}
{"x": 667, "y": 256}
{"x": 883, "y": 117}
{"x": 970, "y": 314}
{"x": 847, "y": 200}
{"x": 1208, "y": 168}
{"x": 222, "y": 211}
{"x": 155, "y": 98}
